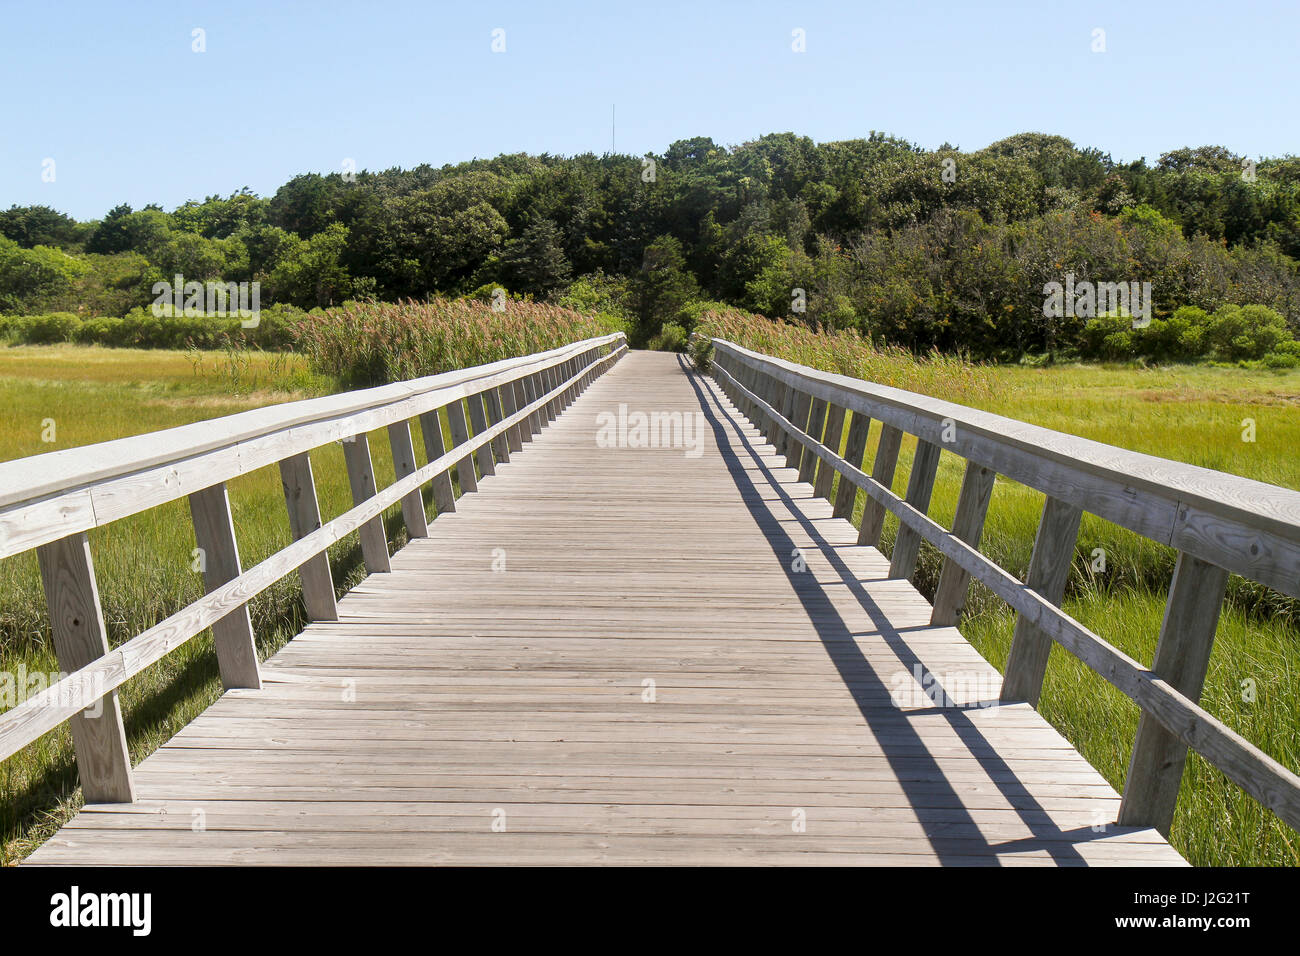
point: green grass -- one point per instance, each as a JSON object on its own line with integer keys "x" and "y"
{"x": 143, "y": 562}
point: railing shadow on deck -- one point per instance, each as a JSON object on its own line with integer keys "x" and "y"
{"x": 858, "y": 675}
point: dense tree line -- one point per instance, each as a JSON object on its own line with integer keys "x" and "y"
{"x": 927, "y": 249}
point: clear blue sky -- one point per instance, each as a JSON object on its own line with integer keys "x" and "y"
{"x": 114, "y": 94}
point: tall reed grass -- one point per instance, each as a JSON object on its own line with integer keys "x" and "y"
{"x": 374, "y": 343}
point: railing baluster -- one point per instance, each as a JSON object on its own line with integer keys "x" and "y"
{"x": 778, "y": 438}
{"x": 968, "y": 525}
{"x": 548, "y": 385}
{"x": 846, "y": 498}
{"x": 304, "y": 518}
{"x": 524, "y": 431}
{"x": 794, "y": 451}
{"x": 882, "y": 471}
{"x": 500, "y": 444}
{"x": 532, "y": 391}
{"x": 361, "y": 478}
{"x": 1182, "y": 658}
{"x": 834, "y": 432}
{"x": 920, "y": 486}
{"x": 399, "y": 440}
{"x": 232, "y": 636}
{"x": 77, "y": 626}
{"x": 816, "y": 422}
{"x": 444, "y": 497}
{"x": 479, "y": 422}
{"x": 1049, "y": 570}
{"x": 465, "y": 476}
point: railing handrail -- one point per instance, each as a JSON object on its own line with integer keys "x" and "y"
{"x": 793, "y": 403}
{"x": 72, "y": 485}
{"x": 1102, "y": 479}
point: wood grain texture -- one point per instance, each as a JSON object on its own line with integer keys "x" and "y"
{"x": 444, "y": 496}
{"x": 855, "y": 450}
{"x": 920, "y": 486}
{"x": 304, "y": 518}
{"x": 404, "y": 463}
{"x": 1182, "y": 658}
{"x": 214, "y": 533}
{"x": 77, "y": 627}
{"x": 1049, "y": 569}
{"x": 478, "y": 421}
{"x": 882, "y": 472}
{"x": 466, "y": 477}
{"x": 968, "y": 525}
{"x": 610, "y": 696}
{"x": 361, "y": 479}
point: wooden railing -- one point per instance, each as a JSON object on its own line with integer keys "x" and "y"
{"x": 1218, "y": 523}
{"x": 50, "y": 501}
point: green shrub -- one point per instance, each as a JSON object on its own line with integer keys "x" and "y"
{"x": 671, "y": 338}
{"x": 46, "y": 329}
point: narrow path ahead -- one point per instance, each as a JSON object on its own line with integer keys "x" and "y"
{"x": 622, "y": 655}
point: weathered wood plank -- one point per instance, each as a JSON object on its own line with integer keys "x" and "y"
{"x": 361, "y": 479}
{"x": 882, "y": 472}
{"x": 218, "y": 555}
{"x": 304, "y": 518}
{"x": 1049, "y": 570}
{"x": 968, "y": 525}
{"x": 1182, "y": 658}
{"x": 77, "y": 627}
{"x": 920, "y": 486}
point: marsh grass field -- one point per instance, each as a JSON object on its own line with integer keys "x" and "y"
{"x": 1191, "y": 414}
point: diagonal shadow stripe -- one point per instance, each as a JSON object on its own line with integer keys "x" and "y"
{"x": 862, "y": 679}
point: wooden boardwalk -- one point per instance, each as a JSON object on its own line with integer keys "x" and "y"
{"x": 623, "y": 656}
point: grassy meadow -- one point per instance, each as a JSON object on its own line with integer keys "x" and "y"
{"x": 1192, "y": 414}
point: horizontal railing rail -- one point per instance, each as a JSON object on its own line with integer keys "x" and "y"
{"x": 49, "y": 502}
{"x": 1218, "y": 523}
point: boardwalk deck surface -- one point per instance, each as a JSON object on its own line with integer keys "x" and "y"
{"x": 613, "y": 655}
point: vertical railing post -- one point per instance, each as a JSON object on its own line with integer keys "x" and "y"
{"x": 304, "y": 518}
{"x": 794, "y": 452}
{"x": 834, "y": 432}
{"x": 1049, "y": 570}
{"x": 500, "y": 444}
{"x": 524, "y": 431}
{"x": 920, "y": 486}
{"x": 816, "y": 422}
{"x": 232, "y": 636}
{"x": 533, "y": 390}
{"x": 80, "y": 639}
{"x": 444, "y": 497}
{"x": 465, "y": 476}
{"x": 1182, "y": 657}
{"x": 479, "y": 423}
{"x": 967, "y": 525}
{"x": 855, "y": 450}
{"x": 361, "y": 479}
{"x": 777, "y": 437}
{"x": 882, "y": 472}
{"x": 399, "y": 440}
